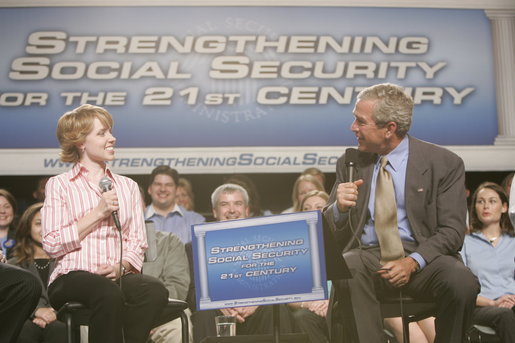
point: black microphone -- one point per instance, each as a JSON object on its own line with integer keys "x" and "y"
{"x": 351, "y": 155}
{"x": 105, "y": 185}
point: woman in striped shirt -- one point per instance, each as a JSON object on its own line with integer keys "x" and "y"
{"x": 79, "y": 232}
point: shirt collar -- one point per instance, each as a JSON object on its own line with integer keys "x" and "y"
{"x": 482, "y": 236}
{"x": 152, "y": 211}
{"x": 79, "y": 170}
{"x": 398, "y": 155}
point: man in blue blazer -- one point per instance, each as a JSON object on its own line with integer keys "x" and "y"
{"x": 429, "y": 186}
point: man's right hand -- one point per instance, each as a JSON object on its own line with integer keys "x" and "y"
{"x": 506, "y": 301}
{"x": 347, "y": 195}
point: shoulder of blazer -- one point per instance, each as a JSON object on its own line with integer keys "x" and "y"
{"x": 423, "y": 154}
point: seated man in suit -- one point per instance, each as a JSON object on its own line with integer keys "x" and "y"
{"x": 166, "y": 260}
{"x": 231, "y": 201}
{"x": 401, "y": 220}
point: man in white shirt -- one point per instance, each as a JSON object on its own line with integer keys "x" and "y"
{"x": 164, "y": 211}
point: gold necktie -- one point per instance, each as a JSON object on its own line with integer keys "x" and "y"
{"x": 385, "y": 210}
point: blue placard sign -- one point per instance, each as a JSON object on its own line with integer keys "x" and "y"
{"x": 259, "y": 261}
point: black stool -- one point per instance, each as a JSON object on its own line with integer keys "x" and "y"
{"x": 74, "y": 314}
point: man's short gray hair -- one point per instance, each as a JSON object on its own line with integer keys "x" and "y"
{"x": 228, "y": 188}
{"x": 392, "y": 104}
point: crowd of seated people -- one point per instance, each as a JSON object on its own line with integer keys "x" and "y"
{"x": 489, "y": 251}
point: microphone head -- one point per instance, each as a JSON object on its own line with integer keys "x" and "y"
{"x": 351, "y": 156}
{"x": 105, "y": 184}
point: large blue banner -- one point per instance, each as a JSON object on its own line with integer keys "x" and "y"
{"x": 242, "y": 76}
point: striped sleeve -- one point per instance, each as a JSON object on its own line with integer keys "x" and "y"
{"x": 134, "y": 234}
{"x": 60, "y": 235}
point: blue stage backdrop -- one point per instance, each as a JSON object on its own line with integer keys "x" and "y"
{"x": 242, "y": 76}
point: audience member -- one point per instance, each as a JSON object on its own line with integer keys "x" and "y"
{"x": 28, "y": 253}
{"x": 19, "y": 296}
{"x": 302, "y": 186}
{"x": 164, "y": 211}
{"x": 316, "y": 173}
{"x": 314, "y": 200}
{"x": 310, "y": 316}
{"x": 422, "y": 331}
{"x": 80, "y": 232}
{"x": 37, "y": 195}
{"x": 39, "y": 191}
{"x": 407, "y": 236}
{"x": 230, "y": 201}
{"x": 512, "y": 203}
{"x": 506, "y": 183}
{"x": 185, "y": 196}
{"x": 171, "y": 266}
{"x": 489, "y": 251}
{"x": 7, "y": 222}
{"x": 254, "y": 198}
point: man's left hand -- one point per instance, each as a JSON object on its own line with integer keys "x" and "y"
{"x": 398, "y": 272}
{"x": 247, "y": 311}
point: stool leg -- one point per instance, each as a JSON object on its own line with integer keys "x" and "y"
{"x": 405, "y": 329}
{"x": 184, "y": 328}
{"x": 69, "y": 329}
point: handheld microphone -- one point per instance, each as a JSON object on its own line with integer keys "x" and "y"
{"x": 106, "y": 185}
{"x": 351, "y": 155}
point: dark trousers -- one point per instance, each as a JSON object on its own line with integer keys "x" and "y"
{"x": 135, "y": 307}
{"x": 502, "y": 320}
{"x": 445, "y": 280}
{"x": 311, "y": 324}
{"x": 54, "y": 332}
{"x": 259, "y": 323}
{"x": 19, "y": 295}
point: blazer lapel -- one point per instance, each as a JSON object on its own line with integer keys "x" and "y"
{"x": 416, "y": 187}
{"x": 364, "y": 171}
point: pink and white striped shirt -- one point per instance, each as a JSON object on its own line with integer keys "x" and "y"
{"x": 69, "y": 197}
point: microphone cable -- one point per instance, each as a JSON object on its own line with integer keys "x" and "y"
{"x": 121, "y": 253}
{"x": 121, "y": 271}
{"x": 353, "y": 229}
{"x": 106, "y": 185}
